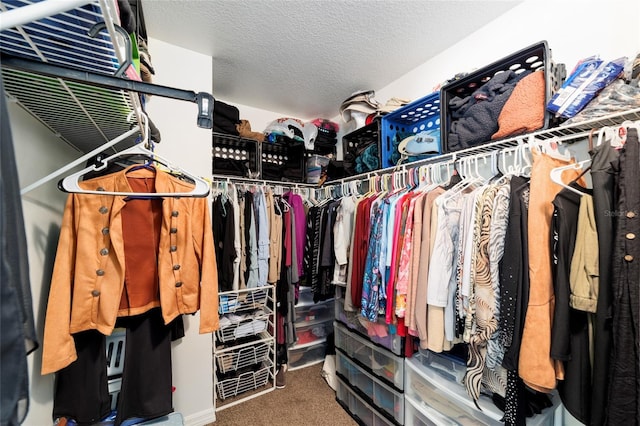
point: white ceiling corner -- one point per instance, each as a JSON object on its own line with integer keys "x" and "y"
{"x": 303, "y": 58}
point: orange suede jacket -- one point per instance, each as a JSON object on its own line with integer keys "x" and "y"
{"x": 89, "y": 270}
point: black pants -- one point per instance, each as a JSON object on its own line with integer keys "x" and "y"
{"x": 81, "y": 390}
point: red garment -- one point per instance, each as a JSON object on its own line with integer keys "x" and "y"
{"x": 361, "y": 245}
{"x": 141, "y": 223}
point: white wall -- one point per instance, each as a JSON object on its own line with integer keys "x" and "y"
{"x": 572, "y": 29}
{"x": 188, "y": 146}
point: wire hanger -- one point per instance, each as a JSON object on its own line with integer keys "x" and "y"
{"x": 71, "y": 183}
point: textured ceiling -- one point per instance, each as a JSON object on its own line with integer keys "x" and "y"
{"x": 303, "y": 58}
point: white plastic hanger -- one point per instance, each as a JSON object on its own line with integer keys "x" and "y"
{"x": 71, "y": 183}
{"x": 556, "y": 175}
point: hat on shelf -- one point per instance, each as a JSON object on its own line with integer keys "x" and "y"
{"x": 425, "y": 142}
{"x": 393, "y": 104}
{"x": 358, "y": 106}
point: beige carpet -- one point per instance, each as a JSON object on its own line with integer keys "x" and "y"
{"x": 307, "y": 400}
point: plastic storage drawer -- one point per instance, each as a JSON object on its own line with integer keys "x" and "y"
{"x": 391, "y": 341}
{"x": 115, "y": 344}
{"x": 411, "y": 119}
{"x": 418, "y": 414}
{"x": 306, "y": 355}
{"x": 380, "y": 394}
{"x": 380, "y": 361}
{"x": 321, "y": 311}
{"x": 439, "y": 395}
{"x": 317, "y": 331}
{"x": 452, "y": 368}
{"x": 447, "y": 398}
{"x": 359, "y": 408}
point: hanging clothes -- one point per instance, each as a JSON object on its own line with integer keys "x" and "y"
{"x": 224, "y": 233}
{"x": 17, "y": 333}
{"x": 536, "y": 367}
{"x": 624, "y": 390}
{"x": 603, "y": 180}
{"x": 569, "y": 335}
{"x": 92, "y": 228}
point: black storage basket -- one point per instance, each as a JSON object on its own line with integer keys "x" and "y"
{"x": 535, "y": 57}
{"x": 283, "y": 160}
{"x": 234, "y": 156}
{"x": 354, "y": 144}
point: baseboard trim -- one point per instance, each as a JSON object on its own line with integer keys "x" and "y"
{"x": 201, "y": 418}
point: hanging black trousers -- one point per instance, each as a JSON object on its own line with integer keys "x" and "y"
{"x": 81, "y": 391}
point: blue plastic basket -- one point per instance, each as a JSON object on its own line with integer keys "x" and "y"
{"x": 420, "y": 115}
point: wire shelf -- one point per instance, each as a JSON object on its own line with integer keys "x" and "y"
{"x": 84, "y": 116}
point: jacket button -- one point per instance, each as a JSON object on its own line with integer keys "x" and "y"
{"x": 630, "y": 236}
{"x": 99, "y": 272}
{"x": 100, "y": 188}
{"x": 631, "y": 215}
{"x": 104, "y": 252}
{"x": 173, "y": 248}
{"x": 174, "y": 230}
{"x": 176, "y": 267}
{"x": 105, "y": 231}
{"x": 103, "y": 210}
{"x": 628, "y": 258}
{"x": 179, "y": 284}
{"x": 95, "y": 293}
{"x": 175, "y": 213}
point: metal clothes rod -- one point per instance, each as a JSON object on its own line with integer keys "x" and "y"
{"x": 249, "y": 181}
{"x": 204, "y": 100}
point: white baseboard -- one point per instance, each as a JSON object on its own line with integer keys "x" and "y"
{"x": 201, "y": 418}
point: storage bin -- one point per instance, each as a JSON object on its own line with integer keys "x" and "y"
{"x": 306, "y": 355}
{"x": 452, "y": 368}
{"x": 115, "y": 345}
{"x": 390, "y": 340}
{"x": 417, "y": 414}
{"x": 411, "y": 119}
{"x": 381, "y": 395}
{"x": 322, "y": 311}
{"x": 439, "y": 395}
{"x": 315, "y": 331}
{"x": 234, "y": 327}
{"x": 244, "y": 355}
{"x": 283, "y": 160}
{"x": 355, "y": 144}
{"x": 244, "y": 382}
{"x": 316, "y": 167}
{"x": 234, "y": 156}
{"x": 379, "y": 361}
{"x": 305, "y": 296}
{"x": 234, "y": 302}
{"x": 362, "y": 411}
{"x": 534, "y": 57}
{"x": 113, "y": 387}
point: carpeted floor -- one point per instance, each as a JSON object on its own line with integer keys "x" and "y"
{"x": 307, "y": 400}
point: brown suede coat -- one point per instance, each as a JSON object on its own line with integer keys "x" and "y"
{"x": 89, "y": 270}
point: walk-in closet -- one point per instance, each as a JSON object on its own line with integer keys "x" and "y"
{"x": 227, "y": 212}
